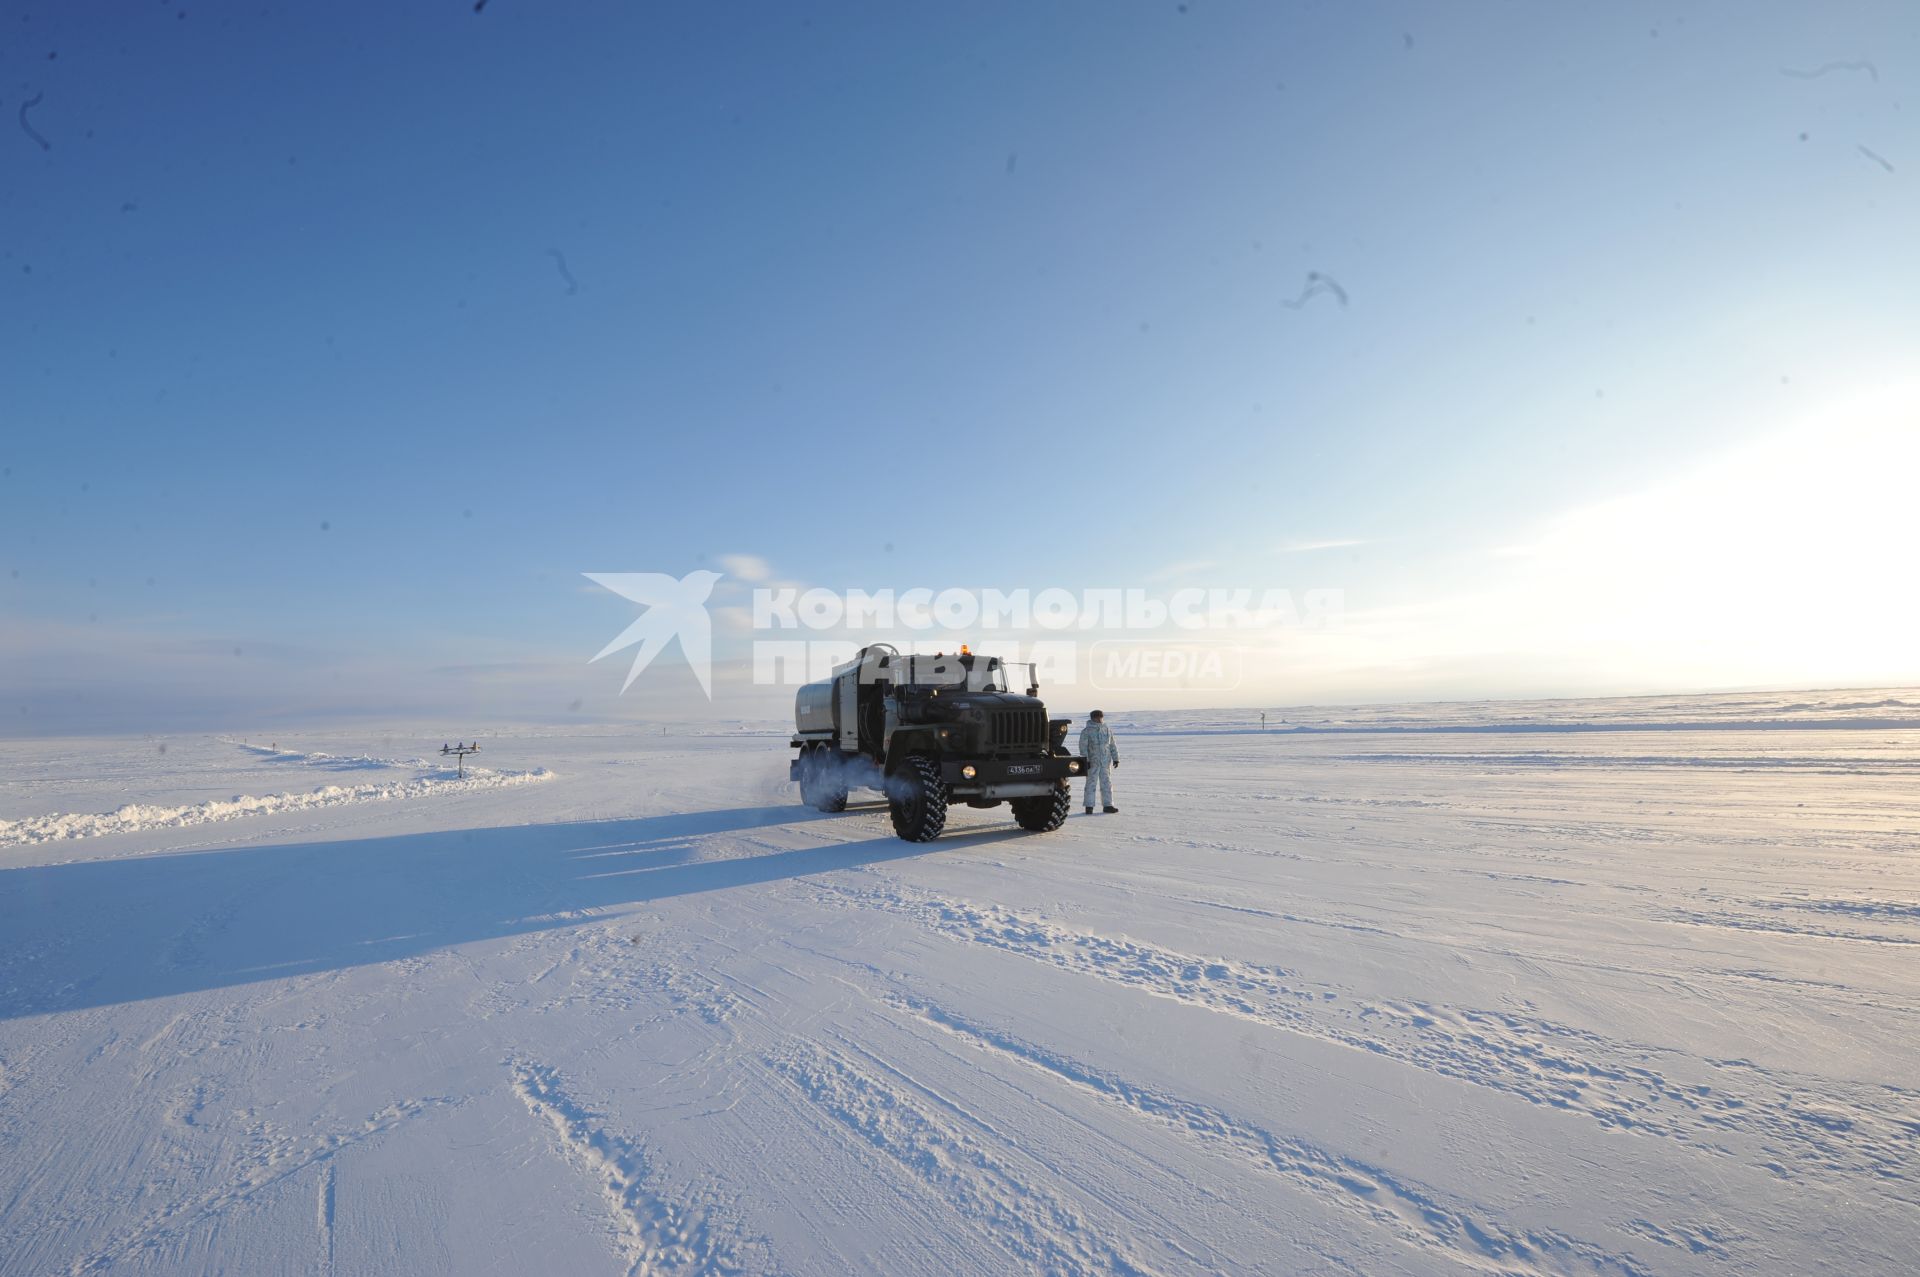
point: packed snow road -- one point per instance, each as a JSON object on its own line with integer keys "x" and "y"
{"x": 1537, "y": 1003}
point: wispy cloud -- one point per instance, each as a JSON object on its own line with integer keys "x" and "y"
{"x": 1308, "y": 547}
{"x": 748, "y": 567}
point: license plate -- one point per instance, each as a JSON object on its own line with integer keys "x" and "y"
{"x": 1024, "y": 769}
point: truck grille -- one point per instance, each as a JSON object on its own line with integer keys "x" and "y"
{"x": 1019, "y": 730}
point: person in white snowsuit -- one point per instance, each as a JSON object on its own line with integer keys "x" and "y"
{"x": 1096, "y": 743}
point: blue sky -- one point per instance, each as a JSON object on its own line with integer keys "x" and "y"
{"x": 941, "y": 295}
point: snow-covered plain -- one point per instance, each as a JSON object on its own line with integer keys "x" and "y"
{"x": 1432, "y": 990}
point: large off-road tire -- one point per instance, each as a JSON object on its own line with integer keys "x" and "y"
{"x": 821, "y": 787}
{"x": 1043, "y": 813}
{"x": 917, "y": 799}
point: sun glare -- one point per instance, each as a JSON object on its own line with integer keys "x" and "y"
{"x": 1790, "y": 557}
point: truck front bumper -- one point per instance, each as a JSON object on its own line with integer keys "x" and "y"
{"x": 1011, "y": 777}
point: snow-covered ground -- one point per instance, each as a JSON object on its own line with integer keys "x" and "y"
{"x": 1516, "y": 996}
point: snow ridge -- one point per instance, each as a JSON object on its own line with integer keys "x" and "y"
{"x": 328, "y": 762}
{"x": 136, "y": 817}
{"x": 1418, "y": 1216}
{"x": 655, "y": 1234}
{"x": 1723, "y": 1108}
{"x": 1047, "y": 1233}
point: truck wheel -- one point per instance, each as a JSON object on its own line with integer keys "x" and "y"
{"x": 917, "y": 799}
{"x": 1046, "y": 812}
{"x": 820, "y": 787}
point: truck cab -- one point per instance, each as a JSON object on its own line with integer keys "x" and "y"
{"x": 930, "y": 730}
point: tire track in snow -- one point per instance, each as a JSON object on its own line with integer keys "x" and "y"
{"x": 279, "y": 1161}
{"x": 1736, "y": 921}
{"x": 1797, "y": 1125}
{"x": 655, "y": 1233}
{"x": 323, "y": 1216}
{"x": 1417, "y": 1216}
{"x": 1046, "y": 1232}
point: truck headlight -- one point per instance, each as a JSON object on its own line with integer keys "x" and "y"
{"x": 1073, "y": 765}
{"x": 969, "y": 772}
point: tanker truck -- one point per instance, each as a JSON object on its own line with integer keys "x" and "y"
{"x": 929, "y": 731}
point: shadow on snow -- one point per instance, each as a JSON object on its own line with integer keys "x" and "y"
{"x": 98, "y": 933}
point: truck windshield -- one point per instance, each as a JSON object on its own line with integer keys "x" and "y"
{"x": 973, "y": 674}
{"x": 989, "y": 677}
